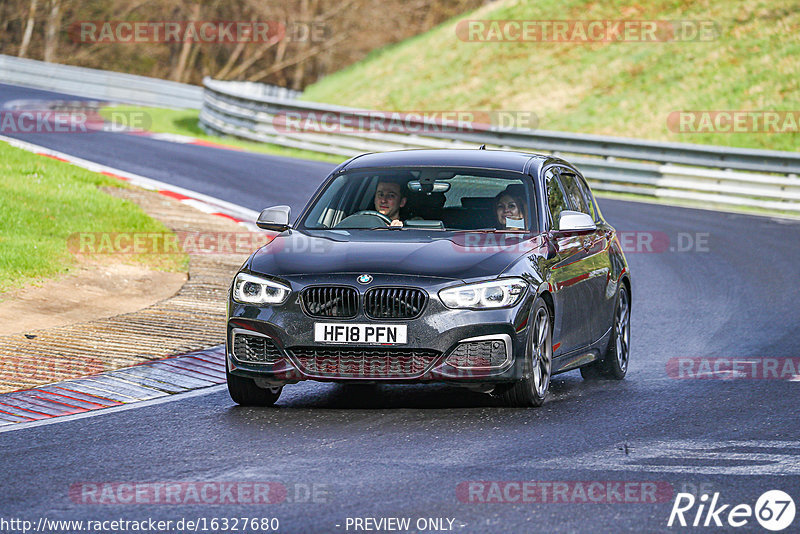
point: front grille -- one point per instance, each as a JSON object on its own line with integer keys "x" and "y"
{"x": 258, "y": 349}
{"x": 354, "y": 362}
{"x": 330, "y": 301}
{"x": 394, "y": 303}
{"x": 491, "y": 353}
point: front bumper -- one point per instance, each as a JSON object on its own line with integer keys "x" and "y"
{"x": 431, "y": 338}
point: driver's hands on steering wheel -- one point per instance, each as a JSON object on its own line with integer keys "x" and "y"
{"x": 374, "y": 213}
{"x": 396, "y": 222}
{"x": 356, "y": 220}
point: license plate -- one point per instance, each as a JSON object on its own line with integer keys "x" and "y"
{"x": 371, "y": 334}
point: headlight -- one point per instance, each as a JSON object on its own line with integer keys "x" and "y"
{"x": 251, "y": 289}
{"x": 496, "y": 294}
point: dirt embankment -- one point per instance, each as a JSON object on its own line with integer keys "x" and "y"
{"x": 107, "y": 316}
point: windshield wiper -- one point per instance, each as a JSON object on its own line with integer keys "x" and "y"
{"x": 488, "y": 230}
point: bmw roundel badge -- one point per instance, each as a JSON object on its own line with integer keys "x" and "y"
{"x": 364, "y": 279}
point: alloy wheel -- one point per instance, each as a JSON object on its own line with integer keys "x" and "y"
{"x": 622, "y": 329}
{"x": 541, "y": 352}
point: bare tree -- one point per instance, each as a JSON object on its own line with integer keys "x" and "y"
{"x": 322, "y": 35}
{"x": 177, "y": 74}
{"x": 51, "y": 30}
{"x": 26, "y": 37}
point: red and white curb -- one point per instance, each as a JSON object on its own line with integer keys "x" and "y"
{"x": 142, "y": 382}
{"x": 204, "y": 203}
{"x": 183, "y": 140}
{"x": 150, "y": 381}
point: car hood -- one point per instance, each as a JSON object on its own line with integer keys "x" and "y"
{"x": 453, "y": 255}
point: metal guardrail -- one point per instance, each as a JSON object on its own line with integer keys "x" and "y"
{"x": 733, "y": 176}
{"x": 258, "y": 90}
{"x": 120, "y": 87}
{"x": 100, "y": 84}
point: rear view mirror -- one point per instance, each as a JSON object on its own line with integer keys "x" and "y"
{"x": 421, "y": 186}
{"x": 275, "y": 218}
{"x": 575, "y": 221}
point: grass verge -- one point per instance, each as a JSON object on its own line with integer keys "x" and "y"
{"x": 617, "y": 88}
{"x": 44, "y": 201}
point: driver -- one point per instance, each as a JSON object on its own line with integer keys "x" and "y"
{"x": 390, "y": 196}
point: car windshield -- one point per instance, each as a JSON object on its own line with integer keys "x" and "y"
{"x": 426, "y": 198}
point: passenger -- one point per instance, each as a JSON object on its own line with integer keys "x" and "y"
{"x": 510, "y": 209}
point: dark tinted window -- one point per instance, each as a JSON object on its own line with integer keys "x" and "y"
{"x": 459, "y": 199}
{"x": 575, "y": 194}
{"x": 555, "y": 196}
{"x": 587, "y": 193}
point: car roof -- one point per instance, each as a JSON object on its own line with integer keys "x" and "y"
{"x": 483, "y": 159}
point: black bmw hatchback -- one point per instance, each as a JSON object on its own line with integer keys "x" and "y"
{"x": 488, "y": 269}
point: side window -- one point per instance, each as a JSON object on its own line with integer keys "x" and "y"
{"x": 587, "y": 194}
{"x": 574, "y": 193}
{"x": 555, "y": 196}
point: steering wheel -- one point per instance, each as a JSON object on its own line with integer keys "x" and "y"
{"x": 360, "y": 219}
{"x": 377, "y": 214}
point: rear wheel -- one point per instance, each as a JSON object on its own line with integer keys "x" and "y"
{"x": 246, "y": 392}
{"x": 614, "y": 365}
{"x": 532, "y": 389}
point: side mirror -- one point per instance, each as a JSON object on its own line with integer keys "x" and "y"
{"x": 575, "y": 221}
{"x": 275, "y": 218}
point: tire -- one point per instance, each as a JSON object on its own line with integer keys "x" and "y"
{"x": 614, "y": 365}
{"x": 244, "y": 391}
{"x": 531, "y": 391}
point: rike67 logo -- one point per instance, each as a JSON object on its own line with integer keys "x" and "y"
{"x": 774, "y": 511}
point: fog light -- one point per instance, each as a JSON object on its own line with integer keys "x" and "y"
{"x": 254, "y": 348}
{"x": 490, "y": 353}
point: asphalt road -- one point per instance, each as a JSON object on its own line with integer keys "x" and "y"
{"x": 403, "y": 451}
{"x": 251, "y": 180}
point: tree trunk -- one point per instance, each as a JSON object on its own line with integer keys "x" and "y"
{"x": 51, "y": 30}
{"x": 185, "y": 49}
{"x": 279, "y": 55}
{"x": 307, "y": 14}
{"x": 26, "y": 37}
{"x": 187, "y": 75}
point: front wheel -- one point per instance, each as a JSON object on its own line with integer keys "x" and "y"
{"x": 532, "y": 389}
{"x": 246, "y": 392}
{"x": 614, "y": 364}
